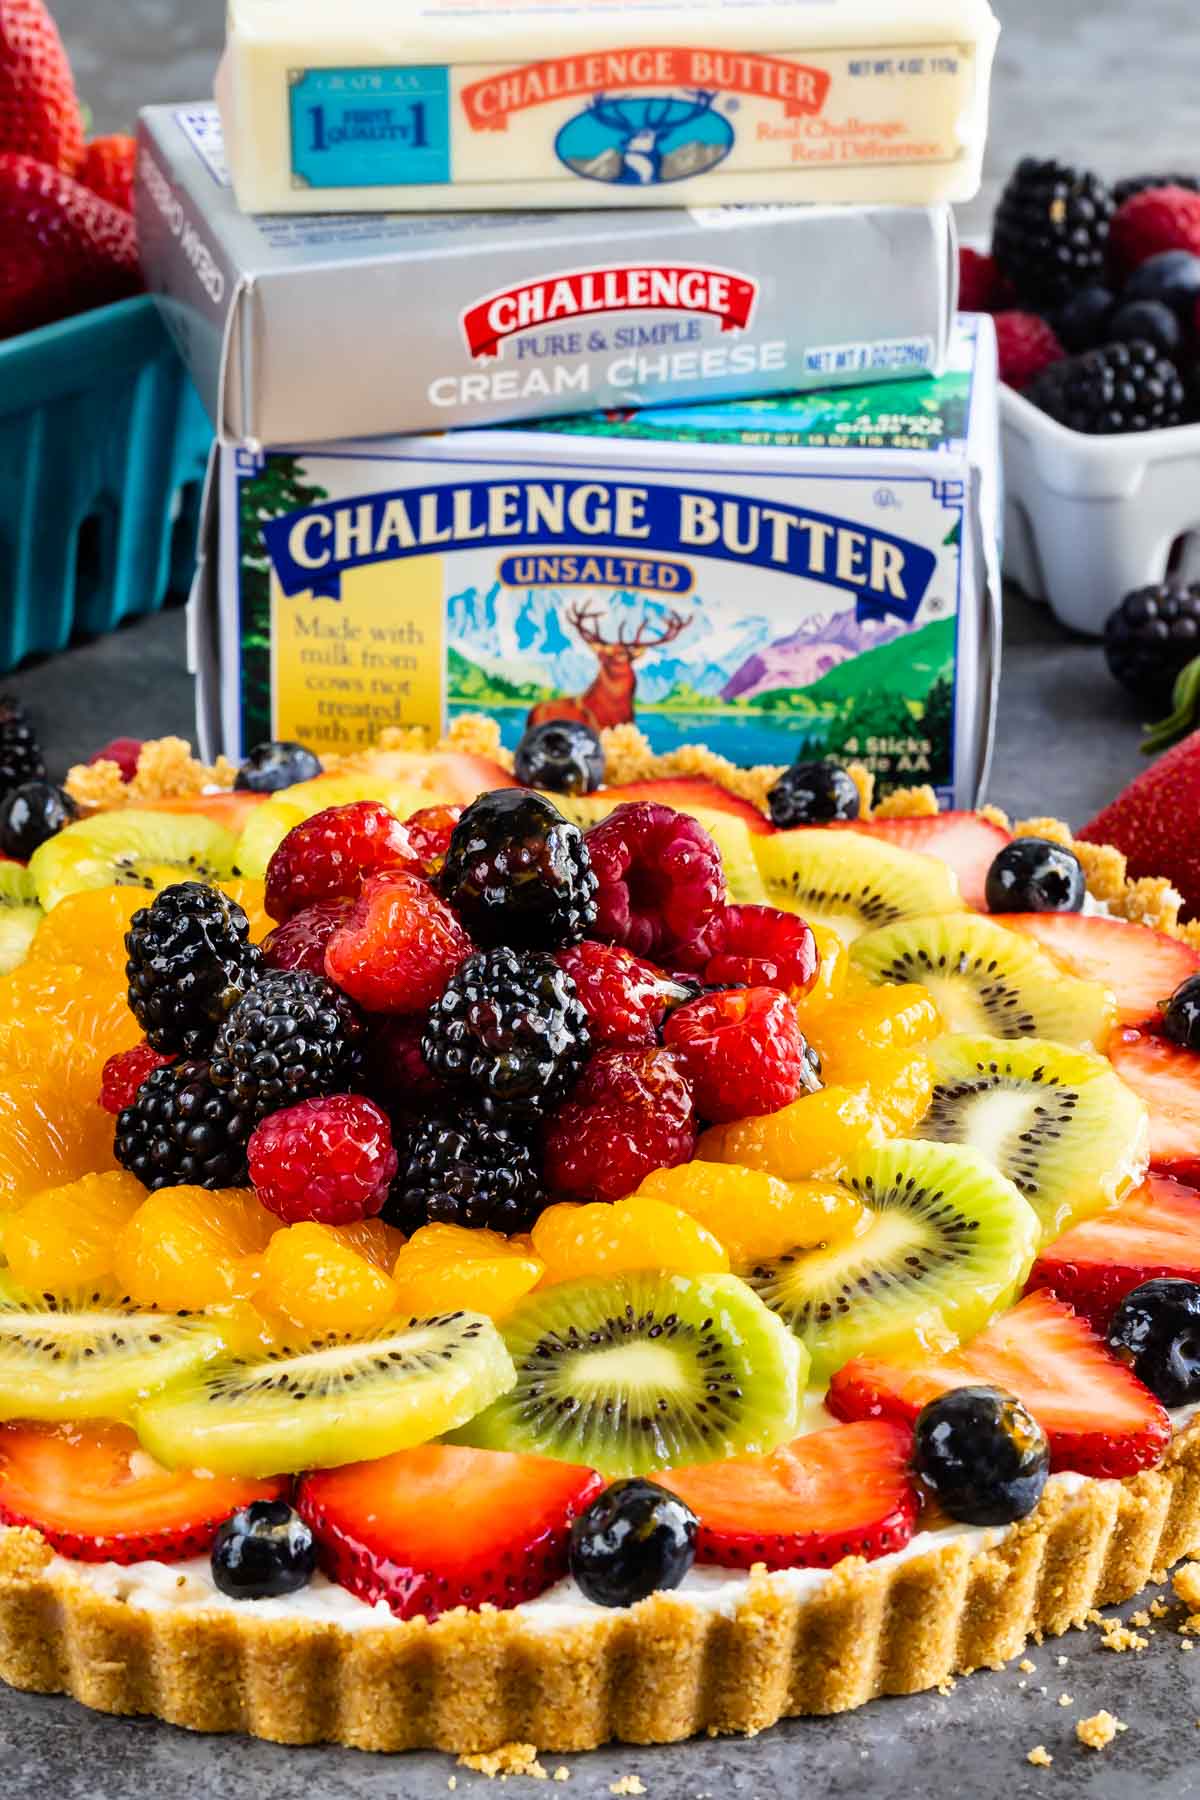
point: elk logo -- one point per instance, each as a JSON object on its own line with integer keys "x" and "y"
{"x": 609, "y": 699}
{"x": 647, "y": 141}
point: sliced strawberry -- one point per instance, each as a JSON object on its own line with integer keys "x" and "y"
{"x": 841, "y": 1492}
{"x": 232, "y": 809}
{"x": 1142, "y": 967}
{"x": 94, "y": 1494}
{"x": 1168, "y": 1079}
{"x": 689, "y": 794}
{"x": 437, "y": 1527}
{"x": 868, "y": 1387}
{"x": 1155, "y": 1231}
{"x": 450, "y": 775}
{"x": 966, "y": 841}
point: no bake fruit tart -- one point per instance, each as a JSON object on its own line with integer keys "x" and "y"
{"x": 577, "y": 1248}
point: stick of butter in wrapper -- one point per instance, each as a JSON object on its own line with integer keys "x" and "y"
{"x": 375, "y": 105}
{"x": 810, "y": 574}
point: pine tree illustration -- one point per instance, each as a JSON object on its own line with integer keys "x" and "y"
{"x": 276, "y": 490}
{"x": 937, "y": 725}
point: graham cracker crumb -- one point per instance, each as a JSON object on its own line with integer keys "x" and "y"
{"x": 995, "y": 815}
{"x": 1051, "y": 829}
{"x": 96, "y": 787}
{"x": 908, "y": 803}
{"x": 1066, "y": 1700}
{"x": 452, "y": 1782}
{"x": 1040, "y": 1757}
{"x": 946, "y": 1685}
{"x": 1141, "y": 1618}
{"x": 864, "y": 781}
{"x": 509, "y": 1759}
{"x": 1186, "y": 1584}
{"x": 627, "y": 1784}
{"x": 474, "y": 734}
{"x": 1158, "y": 1608}
{"x": 1026, "y": 1667}
{"x": 1062, "y": 1661}
{"x": 562, "y": 1773}
{"x": 1118, "y": 1637}
{"x": 1098, "y": 1731}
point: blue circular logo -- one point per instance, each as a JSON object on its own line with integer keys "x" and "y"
{"x": 645, "y": 142}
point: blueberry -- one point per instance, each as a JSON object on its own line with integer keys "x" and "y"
{"x": 1181, "y": 1014}
{"x": 813, "y": 793}
{"x": 277, "y": 764}
{"x": 1172, "y": 277}
{"x": 1152, "y": 321}
{"x": 635, "y": 1539}
{"x": 1082, "y": 322}
{"x": 30, "y": 814}
{"x": 1034, "y": 875}
{"x": 263, "y": 1550}
{"x": 983, "y": 1457}
{"x": 563, "y": 755}
{"x": 1156, "y": 1329}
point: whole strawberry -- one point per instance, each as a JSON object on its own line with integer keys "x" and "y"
{"x": 1157, "y": 219}
{"x": 63, "y": 250}
{"x": 1026, "y": 345}
{"x": 39, "y": 108}
{"x": 107, "y": 168}
{"x": 1155, "y": 821}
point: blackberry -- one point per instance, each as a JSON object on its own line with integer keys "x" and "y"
{"x": 511, "y": 1027}
{"x": 292, "y": 1037}
{"x": 1119, "y": 388}
{"x": 465, "y": 1170}
{"x": 190, "y": 959}
{"x": 20, "y": 753}
{"x": 1151, "y": 638}
{"x": 518, "y": 873}
{"x": 183, "y": 1131}
{"x": 1137, "y": 184}
{"x": 1050, "y": 234}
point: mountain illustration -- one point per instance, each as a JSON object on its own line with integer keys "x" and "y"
{"x": 806, "y": 655}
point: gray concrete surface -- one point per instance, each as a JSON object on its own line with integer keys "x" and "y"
{"x": 1096, "y": 79}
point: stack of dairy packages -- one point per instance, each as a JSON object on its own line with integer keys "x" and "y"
{"x": 552, "y": 338}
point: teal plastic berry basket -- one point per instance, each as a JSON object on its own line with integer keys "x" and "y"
{"x": 103, "y": 442}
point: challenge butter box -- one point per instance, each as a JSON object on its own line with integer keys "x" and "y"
{"x": 815, "y": 573}
{"x": 319, "y": 328}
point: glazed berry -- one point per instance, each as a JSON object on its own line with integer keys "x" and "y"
{"x": 625, "y": 999}
{"x": 1026, "y": 344}
{"x": 1153, "y": 222}
{"x": 632, "y": 1112}
{"x": 428, "y": 833}
{"x": 190, "y": 959}
{"x": 1172, "y": 277}
{"x": 263, "y": 1551}
{"x": 742, "y": 1050}
{"x": 755, "y": 946}
{"x": 1082, "y": 320}
{"x": 1156, "y": 1329}
{"x": 1151, "y": 638}
{"x": 1035, "y": 875}
{"x": 277, "y": 764}
{"x": 30, "y": 814}
{"x": 981, "y": 1455}
{"x": 813, "y": 793}
{"x": 293, "y": 1037}
{"x": 510, "y": 1032}
{"x": 124, "y": 1073}
{"x": 563, "y": 755}
{"x": 331, "y": 855}
{"x": 980, "y": 284}
{"x": 397, "y": 1074}
{"x": 124, "y": 751}
{"x": 329, "y": 1159}
{"x": 635, "y": 1539}
{"x": 660, "y": 878}
{"x": 1181, "y": 1015}
{"x": 181, "y": 1130}
{"x": 518, "y": 873}
{"x": 397, "y": 947}
{"x": 301, "y": 941}
{"x": 20, "y": 753}
{"x": 1151, "y": 321}
{"x": 1051, "y": 229}
{"x": 1106, "y": 392}
{"x": 464, "y": 1169}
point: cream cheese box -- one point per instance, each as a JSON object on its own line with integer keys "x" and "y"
{"x": 420, "y": 104}
{"x": 812, "y": 573}
{"x": 459, "y": 319}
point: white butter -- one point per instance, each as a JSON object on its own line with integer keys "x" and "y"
{"x": 416, "y": 104}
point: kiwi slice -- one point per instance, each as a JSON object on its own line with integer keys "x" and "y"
{"x": 262, "y": 835}
{"x": 409, "y": 1381}
{"x": 989, "y": 981}
{"x": 20, "y": 914}
{"x": 87, "y": 1355}
{"x": 646, "y": 1371}
{"x": 948, "y": 1241}
{"x": 131, "y": 849}
{"x": 1057, "y": 1122}
{"x": 850, "y": 883}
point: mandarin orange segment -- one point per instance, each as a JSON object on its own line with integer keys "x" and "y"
{"x": 321, "y": 1284}
{"x": 251, "y": 896}
{"x": 813, "y": 1137}
{"x": 89, "y": 929}
{"x": 90, "y": 1004}
{"x": 447, "y": 1268}
{"x": 902, "y": 1089}
{"x": 46, "y": 1138}
{"x": 379, "y": 1243}
{"x": 752, "y": 1214}
{"x": 849, "y": 1034}
{"x": 834, "y": 970}
{"x": 185, "y": 1247}
{"x": 44, "y": 1051}
{"x": 639, "y": 1233}
{"x": 66, "y": 1236}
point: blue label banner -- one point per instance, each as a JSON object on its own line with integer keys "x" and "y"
{"x": 370, "y": 127}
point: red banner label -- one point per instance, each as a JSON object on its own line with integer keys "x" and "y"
{"x": 799, "y": 89}
{"x": 578, "y": 292}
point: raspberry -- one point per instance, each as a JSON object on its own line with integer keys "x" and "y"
{"x": 398, "y": 948}
{"x": 124, "y": 752}
{"x": 330, "y": 1159}
{"x": 754, "y": 946}
{"x": 624, "y": 998}
{"x": 980, "y": 283}
{"x": 1165, "y": 218}
{"x": 743, "y": 1052}
{"x": 660, "y": 877}
{"x": 398, "y": 1075}
{"x": 1027, "y": 345}
{"x": 429, "y": 832}
{"x": 509, "y": 1029}
{"x": 329, "y": 856}
{"x": 124, "y": 1073}
{"x": 630, "y": 1114}
{"x": 300, "y": 942}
